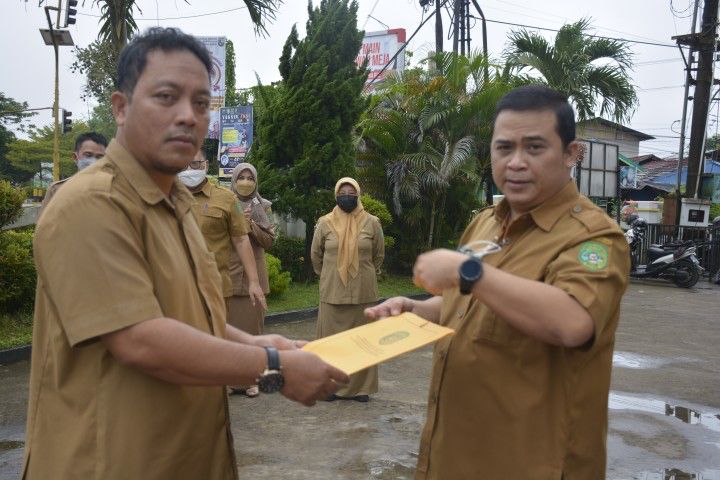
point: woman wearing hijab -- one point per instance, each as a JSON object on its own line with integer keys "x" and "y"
{"x": 347, "y": 250}
{"x": 241, "y": 311}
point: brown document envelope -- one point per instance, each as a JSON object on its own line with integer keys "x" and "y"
{"x": 362, "y": 347}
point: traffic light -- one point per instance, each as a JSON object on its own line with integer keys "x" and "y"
{"x": 66, "y": 121}
{"x": 70, "y": 12}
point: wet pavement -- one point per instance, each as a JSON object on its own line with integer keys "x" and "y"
{"x": 664, "y": 405}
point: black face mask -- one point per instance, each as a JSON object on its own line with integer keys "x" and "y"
{"x": 347, "y": 202}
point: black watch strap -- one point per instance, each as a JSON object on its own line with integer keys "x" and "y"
{"x": 273, "y": 358}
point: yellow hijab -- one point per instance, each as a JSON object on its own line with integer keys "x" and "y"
{"x": 347, "y": 230}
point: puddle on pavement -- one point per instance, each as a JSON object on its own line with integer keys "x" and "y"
{"x": 637, "y": 360}
{"x": 710, "y": 421}
{"x": 675, "y": 474}
{"x": 10, "y": 445}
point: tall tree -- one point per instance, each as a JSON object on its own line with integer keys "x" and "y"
{"x": 304, "y": 141}
{"x": 593, "y": 72}
{"x": 232, "y": 96}
{"x": 13, "y": 114}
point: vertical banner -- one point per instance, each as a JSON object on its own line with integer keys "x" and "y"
{"x": 378, "y": 48}
{"x": 216, "y": 47}
{"x": 236, "y": 135}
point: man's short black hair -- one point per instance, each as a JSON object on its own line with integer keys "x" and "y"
{"x": 539, "y": 97}
{"x": 93, "y": 137}
{"x": 133, "y": 57}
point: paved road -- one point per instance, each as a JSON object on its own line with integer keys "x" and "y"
{"x": 664, "y": 417}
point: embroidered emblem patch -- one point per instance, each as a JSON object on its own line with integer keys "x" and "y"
{"x": 593, "y": 256}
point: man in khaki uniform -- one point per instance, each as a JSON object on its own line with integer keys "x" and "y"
{"x": 223, "y": 225}
{"x": 89, "y": 148}
{"x": 130, "y": 348}
{"x": 521, "y": 389}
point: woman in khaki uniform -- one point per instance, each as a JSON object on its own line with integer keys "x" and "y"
{"x": 347, "y": 250}
{"x": 241, "y": 311}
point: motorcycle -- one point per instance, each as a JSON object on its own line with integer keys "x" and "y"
{"x": 676, "y": 262}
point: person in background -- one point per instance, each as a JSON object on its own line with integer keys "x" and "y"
{"x": 347, "y": 251}
{"x": 89, "y": 148}
{"x": 224, "y": 227}
{"x": 243, "y": 313}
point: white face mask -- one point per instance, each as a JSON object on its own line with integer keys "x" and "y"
{"x": 85, "y": 162}
{"x": 192, "y": 178}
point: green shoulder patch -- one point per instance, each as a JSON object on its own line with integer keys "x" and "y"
{"x": 593, "y": 256}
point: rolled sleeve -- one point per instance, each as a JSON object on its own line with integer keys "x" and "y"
{"x": 92, "y": 266}
{"x": 595, "y": 273}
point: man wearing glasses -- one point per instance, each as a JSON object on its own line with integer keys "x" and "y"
{"x": 223, "y": 225}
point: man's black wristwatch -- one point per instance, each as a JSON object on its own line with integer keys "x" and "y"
{"x": 271, "y": 380}
{"x": 471, "y": 271}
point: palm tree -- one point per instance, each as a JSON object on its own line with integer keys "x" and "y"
{"x": 593, "y": 72}
{"x": 430, "y": 131}
{"x": 117, "y": 23}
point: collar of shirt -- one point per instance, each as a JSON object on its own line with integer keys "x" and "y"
{"x": 205, "y": 190}
{"x": 180, "y": 198}
{"x": 547, "y": 214}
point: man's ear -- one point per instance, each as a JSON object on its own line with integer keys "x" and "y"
{"x": 75, "y": 157}
{"x": 570, "y": 156}
{"x": 120, "y": 103}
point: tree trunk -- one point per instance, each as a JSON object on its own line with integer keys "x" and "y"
{"x": 308, "y": 268}
{"x": 438, "y": 27}
{"x": 432, "y": 224}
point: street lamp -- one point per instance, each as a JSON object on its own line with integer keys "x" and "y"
{"x": 56, "y": 38}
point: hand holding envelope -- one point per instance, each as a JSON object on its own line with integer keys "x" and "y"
{"x": 362, "y": 347}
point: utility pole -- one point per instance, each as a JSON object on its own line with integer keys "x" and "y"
{"x": 705, "y": 44}
{"x": 57, "y": 38}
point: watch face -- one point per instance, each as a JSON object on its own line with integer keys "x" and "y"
{"x": 271, "y": 381}
{"x": 470, "y": 269}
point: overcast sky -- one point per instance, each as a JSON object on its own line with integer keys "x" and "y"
{"x": 28, "y": 63}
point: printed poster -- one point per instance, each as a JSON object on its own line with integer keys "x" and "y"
{"x": 236, "y": 135}
{"x": 216, "y": 47}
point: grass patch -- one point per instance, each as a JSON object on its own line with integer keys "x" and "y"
{"x": 307, "y": 295}
{"x": 15, "y": 329}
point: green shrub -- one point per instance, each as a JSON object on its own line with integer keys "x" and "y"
{"x": 279, "y": 280}
{"x": 17, "y": 271}
{"x": 291, "y": 252}
{"x": 377, "y": 208}
{"x": 11, "y": 200}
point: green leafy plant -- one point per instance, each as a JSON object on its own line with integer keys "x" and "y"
{"x": 279, "y": 280}
{"x": 291, "y": 253}
{"x": 17, "y": 271}
{"x": 11, "y": 200}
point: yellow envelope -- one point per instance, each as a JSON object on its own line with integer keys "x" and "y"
{"x": 362, "y": 347}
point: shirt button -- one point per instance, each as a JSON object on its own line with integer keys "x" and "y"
{"x": 461, "y": 313}
{"x": 577, "y": 209}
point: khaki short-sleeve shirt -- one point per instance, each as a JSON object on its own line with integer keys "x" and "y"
{"x": 112, "y": 251}
{"x": 371, "y": 251}
{"x": 504, "y": 405}
{"x": 220, "y": 218}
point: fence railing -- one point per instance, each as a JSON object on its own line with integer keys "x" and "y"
{"x": 707, "y": 240}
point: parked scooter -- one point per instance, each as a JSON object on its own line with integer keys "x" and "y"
{"x": 675, "y": 262}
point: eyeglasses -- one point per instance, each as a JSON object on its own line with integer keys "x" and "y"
{"x": 196, "y": 164}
